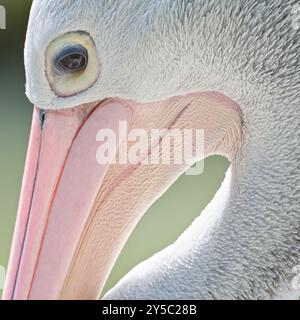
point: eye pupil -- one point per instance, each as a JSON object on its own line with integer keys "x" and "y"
{"x": 73, "y": 62}
{"x": 72, "y": 59}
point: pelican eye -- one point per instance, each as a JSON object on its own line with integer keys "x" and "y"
{"x": 72, "y": 63}
{"x": 72, "y": 59}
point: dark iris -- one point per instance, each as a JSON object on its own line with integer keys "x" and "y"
{"x": 72, "y": 59}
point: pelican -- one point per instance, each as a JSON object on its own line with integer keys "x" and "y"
{"x": 230, "y": 68}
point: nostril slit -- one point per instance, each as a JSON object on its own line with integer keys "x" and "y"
{"x": 42, "y": 116}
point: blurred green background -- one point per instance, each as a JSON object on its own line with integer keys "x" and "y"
{"x": 162, "y": 224}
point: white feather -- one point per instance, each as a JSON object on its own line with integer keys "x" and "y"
{"x": 249, "y": 51}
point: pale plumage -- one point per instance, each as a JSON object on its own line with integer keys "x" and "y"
{"x": 247, "y": 241}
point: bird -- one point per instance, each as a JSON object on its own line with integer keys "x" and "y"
{"x": 230, "y": 68}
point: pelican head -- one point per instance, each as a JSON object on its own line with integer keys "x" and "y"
{"x": 231, "y": 70}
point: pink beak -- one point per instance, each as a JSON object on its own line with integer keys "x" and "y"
{"x": 48, "y": 227}
{"x": 76, "y": 214}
